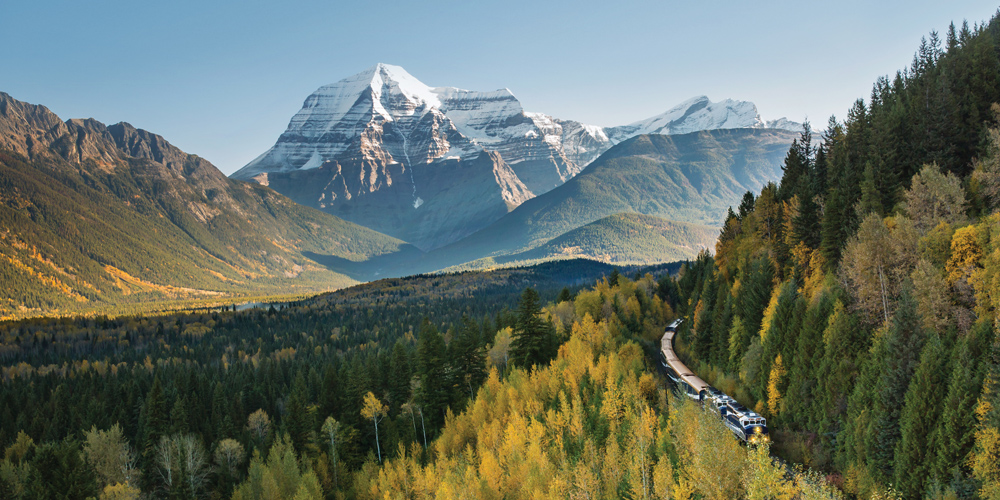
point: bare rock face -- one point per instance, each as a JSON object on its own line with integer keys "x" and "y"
{"x": 382, "y": 149}
{"x": 33, "y": 130}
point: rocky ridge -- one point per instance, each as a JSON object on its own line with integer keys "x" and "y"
{"x": 369, "y": 147}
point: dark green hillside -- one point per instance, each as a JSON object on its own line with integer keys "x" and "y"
{"x": 692, "y": 178}
{"x": 630, "y": 239}
{"x": 85, "y": 225}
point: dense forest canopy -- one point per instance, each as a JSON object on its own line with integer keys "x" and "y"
{"x": 186, "y": 384}
{"x": 854, "y": 304}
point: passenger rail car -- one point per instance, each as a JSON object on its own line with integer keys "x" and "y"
{"x": 744, "y": 423}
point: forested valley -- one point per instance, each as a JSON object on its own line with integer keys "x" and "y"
{"x": 190, "y": 405}
{"x": 854, "y": 304}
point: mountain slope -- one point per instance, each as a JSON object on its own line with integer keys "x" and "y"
{"x": 431, "y": 165}
{"x": 629, "y": 239}
{"x": 620, "y": 239}
{"x": 692, "y": 178}
{"x": 94, "y": 216}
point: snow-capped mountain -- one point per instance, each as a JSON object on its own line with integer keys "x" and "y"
{"x": 433, "y": 164}
{"x": 699, "y": 113}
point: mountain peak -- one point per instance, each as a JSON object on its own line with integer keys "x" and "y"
{"x": 700, "y": 113}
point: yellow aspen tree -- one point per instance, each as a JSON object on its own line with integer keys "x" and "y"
{"x": 611, "y": 469}
{"x": 985, "y": 457}
{"x": 965, "y": 254}
{"x": 120, "y": 491}
{"x": 765, "y": 480}
{"x": 663, "y": 479}
{"x": 643, "y": 432}
{"x": 374, "y": 409}
{"x": 773, "y": 382}
{"x": 772, "y": 306}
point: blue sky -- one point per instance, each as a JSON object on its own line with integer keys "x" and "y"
{"x": 221, "y": 79}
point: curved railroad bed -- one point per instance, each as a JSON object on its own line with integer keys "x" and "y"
{"x": 745, "y": 424}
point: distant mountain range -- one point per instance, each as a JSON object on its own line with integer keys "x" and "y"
{"x": 95, "y": 216}
{"x": 98, "y": 217}
{"x": 431, "y": 165}
{"x": 692, "y": 178}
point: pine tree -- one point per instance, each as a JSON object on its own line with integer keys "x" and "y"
{"x": 898, "y": 363}
{"x": 953, "y": 436}
{"x": 794, "y": 170}
{"x": 914, "y": 457}
{"x": 399, "y": 376}
{"x": 746, "y": 205}
{"x": 803, "y": 387}
{"x": 985, "y": 456}
{"x": 298, "y": 418}
{"x": 179, "y": 417}
{"x": 871, "y": 197}
{"x": 59, "y": 471}
{"x": 433, "y": 392}
{"x": 155, "y": 417}
{"x": 468, "y": 357}
{"x": 832, "y": 238}
{"x": 806, "y": 225}
{"x": 534, "y": 341}
{"x": 614, "y": 277}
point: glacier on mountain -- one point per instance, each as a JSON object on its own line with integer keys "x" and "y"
{"x": 381, "y": 135}
{"x": 334, "y": 117}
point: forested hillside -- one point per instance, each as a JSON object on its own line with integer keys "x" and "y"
{"x": 855, "y": 303}
{"x": 115, "y": 219}
{"x": 595, "y": 423}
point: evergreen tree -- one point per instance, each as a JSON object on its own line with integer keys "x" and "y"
{"x": 433, "y": 393}
{"x": 798, "y": 166}
{"x": 953, "y": 436}
{"x": 801, "y": 395}
{"x": 179, "y": 417}
{"x": 58, "y": 471}
{"x": 469, "y": 357}
{"x": 832, "y": 232}
{"x": 897, "y": 365}
{"x": 399, "y": 376}
{"x": 155, "y": 417}
{"x": 806, "y": 225}
{"x": 534, "y": 340}
{"x": 985, "y": 456}
{"x": 913, "y": 457}
{"x": 746, "y": 205}
{"x": 614, "y": 277}
{"x": 871, "y": 197}
{"x": 298, "y": 418}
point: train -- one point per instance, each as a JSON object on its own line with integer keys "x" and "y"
{"x": 746, "y": 425}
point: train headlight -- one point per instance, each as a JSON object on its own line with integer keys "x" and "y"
{"x": 757, "y": 430}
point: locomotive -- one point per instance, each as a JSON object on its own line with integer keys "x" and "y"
{"x": 745, "y": 424}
